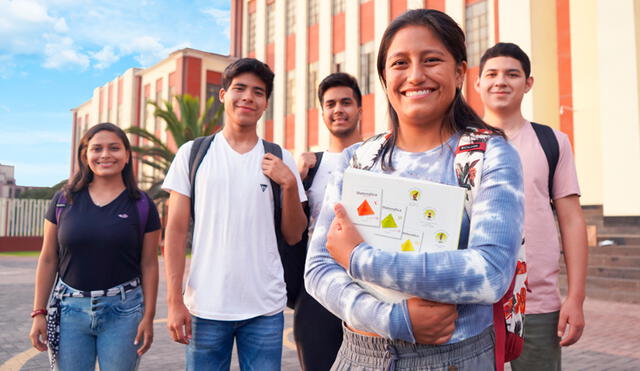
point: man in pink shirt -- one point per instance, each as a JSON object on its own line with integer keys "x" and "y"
{"x": 504, "y": 78}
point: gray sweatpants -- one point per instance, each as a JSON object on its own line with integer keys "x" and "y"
{"x": 366, "y": 353}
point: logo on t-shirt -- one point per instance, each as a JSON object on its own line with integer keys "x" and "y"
{"x": 263, "y": 186}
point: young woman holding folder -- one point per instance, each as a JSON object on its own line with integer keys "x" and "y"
{"x": 422, "y": 63}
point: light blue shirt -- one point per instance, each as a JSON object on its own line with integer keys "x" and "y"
{"x": 474, "y": 277}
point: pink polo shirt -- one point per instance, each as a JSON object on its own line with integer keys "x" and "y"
{"x": 540, "y": 232}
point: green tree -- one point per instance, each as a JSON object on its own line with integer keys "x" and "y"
{"x": 42, "y": 193}
{"x": 190, "y": 124}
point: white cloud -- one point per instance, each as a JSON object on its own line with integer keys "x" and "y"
{"x": 222, "y": 19}
{"x": 105, "y": 57}
{"x": 60, "y": 52}
{"x": 98, "y": 33}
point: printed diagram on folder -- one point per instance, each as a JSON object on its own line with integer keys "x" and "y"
{"x": 402, "y": 215}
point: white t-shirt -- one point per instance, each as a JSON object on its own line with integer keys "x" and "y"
{"x": 235, "y": 273}
{"x": 315, "y": 193}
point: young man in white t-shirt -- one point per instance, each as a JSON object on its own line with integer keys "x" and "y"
{"x": 235, "y": 289}
{"x": 504, "y": 78}
{"x": 317, "y": 332}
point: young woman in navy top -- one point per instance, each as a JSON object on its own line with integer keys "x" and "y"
{"x": 99, "y": 254}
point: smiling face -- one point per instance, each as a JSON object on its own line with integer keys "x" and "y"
{"x": 340, "y": 111}
{"x": 421, "y": 76}
{"x": 106, "y": 154}
{"x": 502, "y": 84}
{"x": 245, "y": 100}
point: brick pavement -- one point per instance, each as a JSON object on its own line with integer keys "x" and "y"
{"x": 611, "y": 340}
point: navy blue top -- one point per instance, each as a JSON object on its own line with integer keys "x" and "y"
{"x": 100, "y": 247}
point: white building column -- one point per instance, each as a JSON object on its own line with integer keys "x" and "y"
{"x": 586, "y": 111}
{"x": 261, "y": 46}
{"x": 515, "y": 27}
{"x": 456, "y": 10}
{"x": 381, "y": 21}
{"x": 618, "y": 70}
{"x": 280, "y": 82}
{"x": 325, "y": 60}
{"x": 300, "y": 143}
{"x": 414, "y": 4}
{"x": 352, "y": 37}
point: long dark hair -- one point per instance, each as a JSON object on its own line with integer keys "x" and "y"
{"x": 459, "y": 115}
{"x": 84, "y": 175}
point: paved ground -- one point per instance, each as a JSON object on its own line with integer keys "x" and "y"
{"x": 611, "y": 340}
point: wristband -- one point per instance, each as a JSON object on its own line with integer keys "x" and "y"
{"x": 38, "y": 312}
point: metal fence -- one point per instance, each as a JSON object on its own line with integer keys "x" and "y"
{"x": 22, "y": 217}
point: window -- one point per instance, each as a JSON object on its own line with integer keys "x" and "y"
{"x": 271, "y": 23}
{"x": 312, "y": 12}
{"x": 213, "y": 90}
{"x": 291, "y": 97}
{"x": 477, "y": 31}
{"x": 312, "y": 86}
{"x": 367, "y": 69}
{"x": 338, "y": 6}
{"x": 338, "y": 62}
{"x": 252, "y": 32}
{"x": 291, "y": 16}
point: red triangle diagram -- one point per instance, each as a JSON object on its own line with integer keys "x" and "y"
{"x": 365, "y": 209}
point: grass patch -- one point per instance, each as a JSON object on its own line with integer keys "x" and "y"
{"x": 20, "y": 253}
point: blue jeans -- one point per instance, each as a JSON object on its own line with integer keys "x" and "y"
{"x": 259, "y": 343}
{"x": 103, "y": 327}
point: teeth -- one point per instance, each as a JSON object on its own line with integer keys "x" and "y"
{"x": 418, "y": 92}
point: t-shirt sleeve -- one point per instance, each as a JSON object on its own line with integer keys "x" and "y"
{"x": 153, "y": 220}
{"x": 51, "y": 211}
{"x": 177, "y": 178}
{"x": 565, "y": 179}
{"x": 287, "y": 158}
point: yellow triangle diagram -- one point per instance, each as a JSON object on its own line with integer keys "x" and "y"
{"x": 389, "y": 222}
{"x": 407, "y": 246}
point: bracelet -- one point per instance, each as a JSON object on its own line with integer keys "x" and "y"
{"x": 38, "y": 312}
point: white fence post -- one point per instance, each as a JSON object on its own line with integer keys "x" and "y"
{"x": 22, "y": 217}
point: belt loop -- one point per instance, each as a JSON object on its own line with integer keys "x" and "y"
{"x": 122, "y": 293}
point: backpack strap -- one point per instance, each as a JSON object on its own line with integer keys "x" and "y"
{"x": 61, "y": 203}
{"x": 468, "y": 161}
{"x": 198, "y": 151}
{"x": 142, "y": 205}
{"x": 275, "y": 150}
{"x": 551, "y": 148}
{"x": 308, "y": 180}
{"x": 369, "y": 152}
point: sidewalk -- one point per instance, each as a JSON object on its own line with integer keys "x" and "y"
{"x": 611, "y": 340}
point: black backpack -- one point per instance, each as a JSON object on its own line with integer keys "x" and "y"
{"x": 551, "y": 149}
{"x": 292, "y": 257}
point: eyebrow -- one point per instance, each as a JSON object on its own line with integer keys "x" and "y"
{"x": 507, "y": 70}
{"x": 241, "y": 85}
{"x": 426, "y": 51}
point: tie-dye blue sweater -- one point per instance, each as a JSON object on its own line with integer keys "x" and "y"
{"x": 474, "y": 277}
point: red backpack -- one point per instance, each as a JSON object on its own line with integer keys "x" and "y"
{"x": 508, "y": 313}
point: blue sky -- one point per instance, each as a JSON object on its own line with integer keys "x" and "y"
{"x": 53, "y": 53}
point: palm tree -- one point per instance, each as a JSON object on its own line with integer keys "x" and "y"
{"x": 188, "y": 126}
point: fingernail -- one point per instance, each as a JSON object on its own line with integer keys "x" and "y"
{"x": 559, "y": 334}
{"x": 135, "y": 342}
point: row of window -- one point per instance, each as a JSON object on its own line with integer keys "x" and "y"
{"x": 312, "y": 18}
{"x": 476, "y": 21}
